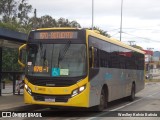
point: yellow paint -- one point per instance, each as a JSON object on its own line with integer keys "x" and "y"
{"x": 80, "y": 100}
{"x": 19, "y": 52}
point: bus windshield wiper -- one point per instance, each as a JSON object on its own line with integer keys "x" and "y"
{"x": 63, "y": 51}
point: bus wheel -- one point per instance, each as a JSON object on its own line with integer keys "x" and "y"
{"x": 132, "y": 96}
{"x": 103, "y": 102}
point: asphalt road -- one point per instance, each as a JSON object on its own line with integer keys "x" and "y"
{"x": 146, "y": 105}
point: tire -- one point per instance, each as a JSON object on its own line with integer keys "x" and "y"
{"x": 132, "y": 96}
{"x": 103, "y": 102}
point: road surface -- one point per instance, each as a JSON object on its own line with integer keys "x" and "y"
{"x": 147, "y": 101}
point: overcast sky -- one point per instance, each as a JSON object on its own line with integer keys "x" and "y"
{"x": 141, "y": 18}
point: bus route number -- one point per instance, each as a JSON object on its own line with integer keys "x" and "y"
{"x": 56, "y": 35}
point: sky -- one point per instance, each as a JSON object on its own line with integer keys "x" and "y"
{"x": 140, "y": 18}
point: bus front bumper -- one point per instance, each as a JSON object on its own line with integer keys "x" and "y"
{"x": 80, "y": 100}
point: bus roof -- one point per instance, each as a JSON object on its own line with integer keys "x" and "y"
{"x": 98, "y": 35}
{"x": 114, "y": 41}
{"x": 59, "y": 28}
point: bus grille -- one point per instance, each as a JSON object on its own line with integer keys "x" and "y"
{"x": 52, "y": 83}
{"x": 52, "y": 98}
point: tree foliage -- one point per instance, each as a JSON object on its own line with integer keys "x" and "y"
{"x": 23, "y": 9}
{"x": 138, "y": 47}
{"x": 102, "y": 32}
{"x": 8, "y": 10}
{"x": 14, "y": 15}
{"x": 47, "y": 21}
{"x": 9, "y": 60}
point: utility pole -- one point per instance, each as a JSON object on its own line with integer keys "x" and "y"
{"x": 92, "y": 14}
{"x": 35, "y": 19}
{"x": 121, "y": 20}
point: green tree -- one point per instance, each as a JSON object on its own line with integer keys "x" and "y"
{"x": 23, "y": 9}
{"x": 8, "y": 10}
{"x": 47, "y": 21}
{"x": 62, "y": 22}
{"x": 75, "y": 24}
{"x": 102, "y": 32}
{"x": 13, "y": 25}
{"x": 138, "y": 47}
{"x": 9, "y": 60}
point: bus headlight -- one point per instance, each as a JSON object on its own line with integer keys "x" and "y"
{"x": 28, "y": 89}
{"x": 81, "y": 88}
{"x": 26, "y": 86}
{"x": 78, "y": 90}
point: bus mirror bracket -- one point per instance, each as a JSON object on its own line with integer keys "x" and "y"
{"x": 20, "y": 55}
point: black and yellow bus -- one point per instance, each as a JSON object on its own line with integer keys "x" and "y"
{"x": 79, "y": 67}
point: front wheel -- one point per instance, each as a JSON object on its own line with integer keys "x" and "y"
{"x": 132, "y": 96}
{"x": 103, "y": 102}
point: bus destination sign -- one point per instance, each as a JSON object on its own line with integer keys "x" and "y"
{"x": 55, "y": 35}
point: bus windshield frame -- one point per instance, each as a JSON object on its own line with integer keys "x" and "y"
{"x": 58, "y": 58}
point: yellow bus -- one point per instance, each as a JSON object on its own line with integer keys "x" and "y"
{"x": 80, "y": 68}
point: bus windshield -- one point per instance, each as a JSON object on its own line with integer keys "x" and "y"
{"x": 56, "y": 60}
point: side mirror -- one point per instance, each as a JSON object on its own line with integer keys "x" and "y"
{"x": 20, "y": 55}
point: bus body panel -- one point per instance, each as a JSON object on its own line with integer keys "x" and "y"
{"x": 118, "y": 80}
{"x": 119, "y": 83}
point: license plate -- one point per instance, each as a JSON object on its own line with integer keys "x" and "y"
{"x": 47, "y": 99}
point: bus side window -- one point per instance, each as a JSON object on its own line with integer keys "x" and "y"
{"x": 90, "y": 57}
{"x": 93, "y": 57}
{"x": 96, "y": 58}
